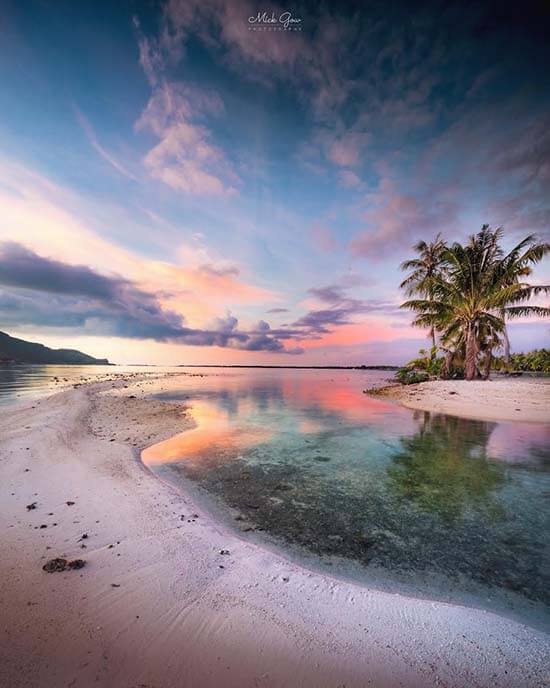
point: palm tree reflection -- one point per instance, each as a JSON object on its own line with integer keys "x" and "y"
{"x": 444, "y": 467}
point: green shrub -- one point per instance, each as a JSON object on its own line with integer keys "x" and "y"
{"x": 410, "y": 376}
{"x": 428, "y": 362}
{"x": 420, "y": 369}
{"x": 537, "y": 361}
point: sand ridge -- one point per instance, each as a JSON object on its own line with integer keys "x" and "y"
{"x": 498, "y": 399}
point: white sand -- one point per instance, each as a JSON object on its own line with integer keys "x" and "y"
{"x": 500, "y": 399}
{"x": 178, "y": 619}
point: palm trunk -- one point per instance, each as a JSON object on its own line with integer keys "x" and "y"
{"x": 487, "y": 363}
{"x": 446, "y": 369}
{"x": 470, "y": 362}
{"x": 432, "y": 329}
{"x": 507, "y": 362}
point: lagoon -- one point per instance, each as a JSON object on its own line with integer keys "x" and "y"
{"x": 449, "y": 507}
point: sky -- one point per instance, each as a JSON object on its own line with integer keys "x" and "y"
{"x": 186, "y": 182}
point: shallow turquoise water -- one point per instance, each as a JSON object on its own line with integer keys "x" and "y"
{"x": 308, "y": 458}
{"x": 21, "y": 382}
{"x": 312, "y": 462}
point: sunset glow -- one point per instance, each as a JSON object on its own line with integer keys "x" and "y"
{"x": 245, "y": 197}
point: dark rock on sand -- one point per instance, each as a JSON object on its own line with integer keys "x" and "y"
{"x": 59, "y": 564}
{"x": 32, "y": 506}
{"x": 54, "y": 565}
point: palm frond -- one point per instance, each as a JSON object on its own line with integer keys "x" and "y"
{"x": 520, "y": 311}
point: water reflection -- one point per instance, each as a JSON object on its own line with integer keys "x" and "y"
{"x": 213, "y": 440}
{"x": 305, "y": 456}
{"x": 445, "y": 468}
{"x": 23, "y": 381}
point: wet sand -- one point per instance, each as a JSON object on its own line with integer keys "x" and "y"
{"x": 158, "y": 605}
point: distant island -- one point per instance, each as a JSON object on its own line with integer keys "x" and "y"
{"x": 13, "y": 350}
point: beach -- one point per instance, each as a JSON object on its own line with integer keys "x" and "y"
{"x": 170, "y": 596}
{"x": 525, "y": 399}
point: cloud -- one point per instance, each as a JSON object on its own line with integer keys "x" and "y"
{"x": 346, "y": 150}
{"x": 342, "y": 147}
{"x": 317, "y": 322}
{"x": 491, "y": 165}
{"x": 349, "y": 179}
{"x": 527, "y": 156}
{"x": 219, "y": 270}
{"x": 225, "y": 23}
{"x": 20, "y": 267}
{"x": 341, "y": 309}
{"x": 330, "y": 294}
{"x": 180, "y": 161}
{"x": 51, "y": 293}
{"x": 150, "y": 56}
{"x": 173, "y": 102}
{"x": 323, "y": 238}
{"x": 42, "y": 291}
{"x": 525, "y": 159}
{"x": 92, "y": 138}
{"x": 49, "y": 218}
{"x": 396, "y": 219}
{"x": 185, "y": 158}
{"x": 278, "y": 310}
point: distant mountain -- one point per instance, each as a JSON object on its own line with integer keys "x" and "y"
{"x": 14, "y": 350}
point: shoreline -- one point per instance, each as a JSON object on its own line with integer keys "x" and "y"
{"x": 510, "y": 399}
{"x": 430, "y": 587}
{"x": 163, "y": 602}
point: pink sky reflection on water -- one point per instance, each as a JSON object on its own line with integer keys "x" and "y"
{"x": 230, "y": 409}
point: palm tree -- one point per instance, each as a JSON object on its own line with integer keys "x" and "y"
{"x": 514, "y": 267}
{"x": 462, "y": 296}
{"x": 424, "y": 269}
{"x": 472, "y": 293}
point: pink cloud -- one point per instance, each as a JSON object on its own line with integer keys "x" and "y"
{"x": 349, "y": 179}
{"x": 395, "y": 219}
{"x": 196, "y": 282}
{"x": 312, "y": 60}
{"x": 346, "y": 150}
{"x": 173, "y": 102}
{"x": 230, "y": 22}
{"x": 323, "y": 238}
{"x": 185, "y": 158}
{"x": 372, "y": 329}
{"x": 150, "y": 56}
